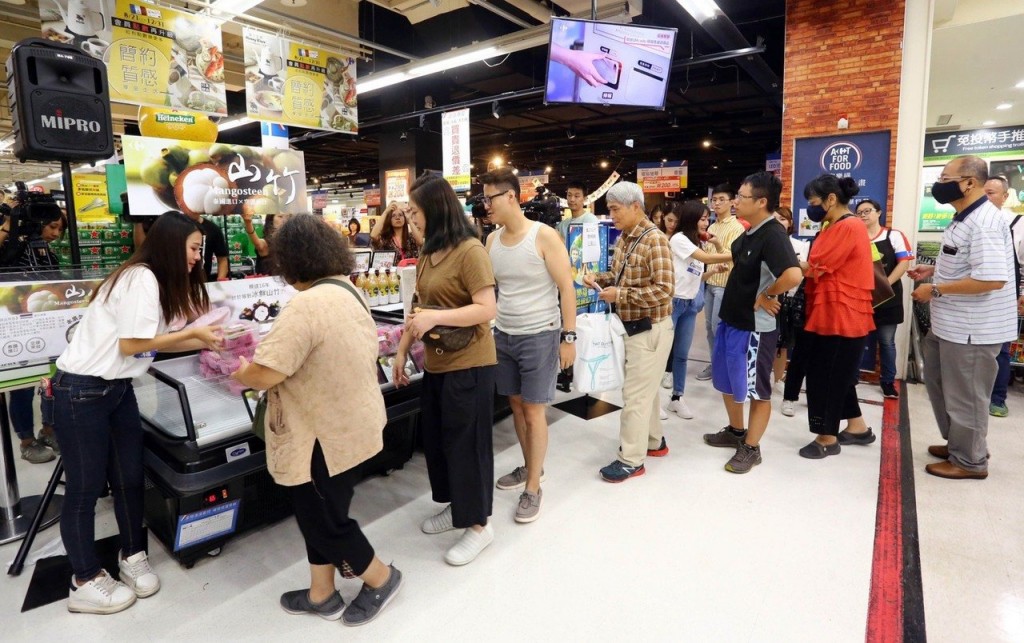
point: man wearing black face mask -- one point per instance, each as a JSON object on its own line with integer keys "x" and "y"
{"x": 973, "y": 312}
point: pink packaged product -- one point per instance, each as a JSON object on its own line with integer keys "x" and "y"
{"x": 388, "y": 336}
{"x": 416, "y": 353}
{"x": 240, "y": 340}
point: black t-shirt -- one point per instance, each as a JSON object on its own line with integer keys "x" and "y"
{"x": 760, "y": 255}
{"x": 213, "y": 244}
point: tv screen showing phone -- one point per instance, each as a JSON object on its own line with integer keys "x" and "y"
{"x": 605, "y": 63}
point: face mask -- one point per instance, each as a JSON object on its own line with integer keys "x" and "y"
{"x": 947, "y": 192}
{"x": 816, "y": 213}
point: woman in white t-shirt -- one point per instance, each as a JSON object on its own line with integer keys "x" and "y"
{"x": 689, "y": 255}
{"x": 96, "y": 416}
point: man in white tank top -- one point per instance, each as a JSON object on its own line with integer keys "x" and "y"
{"x": 533, "y": 336}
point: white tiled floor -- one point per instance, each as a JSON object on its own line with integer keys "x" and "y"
{"x": 687, "y": 552}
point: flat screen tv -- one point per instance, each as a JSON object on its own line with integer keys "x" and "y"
{"x": 604, "y": 63}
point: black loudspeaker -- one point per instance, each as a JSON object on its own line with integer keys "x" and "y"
{"x": 60, "y": 104}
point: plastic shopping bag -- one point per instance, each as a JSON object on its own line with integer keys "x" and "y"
{"x": 600, "y": 353}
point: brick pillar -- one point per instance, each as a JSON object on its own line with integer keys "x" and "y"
{"x": 841, "y": 58}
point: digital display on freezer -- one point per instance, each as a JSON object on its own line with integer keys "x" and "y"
{"x": 608, "y": 63}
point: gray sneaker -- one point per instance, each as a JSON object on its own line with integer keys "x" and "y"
{"x": 529, "y": 506}
{"x": 297, "y": 602}
{"x": 49, "y": 440}
{"x": 746, "y": 458}
{"x": 514, "y": 480}
{"x": 724, "y": 438}
{"x": 705, "y": 375}
{"x": 369, "y": 603}
{"x": 36, "y": 453}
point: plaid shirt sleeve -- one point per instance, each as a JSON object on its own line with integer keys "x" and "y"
{"x": 648, "y": 283}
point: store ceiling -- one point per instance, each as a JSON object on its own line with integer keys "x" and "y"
{"x": 715, "y": 101}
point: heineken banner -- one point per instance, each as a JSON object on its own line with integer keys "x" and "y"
{"x": 297, "y": 84}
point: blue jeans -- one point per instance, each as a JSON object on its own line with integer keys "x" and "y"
{"x": 100, "y": 436}
{"x": 1002, "y": 376}
{"x": 886, "y": 336}
{"x": 684, "y": 318}
{"x": 21, "y": 412}
{"x": 713, "y": 300}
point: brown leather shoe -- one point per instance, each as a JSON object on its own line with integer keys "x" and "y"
{"x": 939, "y": 451}
{"x": 953, "y": 472}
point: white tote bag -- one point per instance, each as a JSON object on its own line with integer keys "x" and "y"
{"x": 600, "y": 353}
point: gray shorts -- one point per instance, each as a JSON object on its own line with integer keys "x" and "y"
{"x": 528, "y": 365}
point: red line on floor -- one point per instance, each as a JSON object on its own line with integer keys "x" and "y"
{"x": 885, "y": 604}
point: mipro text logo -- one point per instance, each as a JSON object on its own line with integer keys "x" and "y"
{"x": 59, "y": 121}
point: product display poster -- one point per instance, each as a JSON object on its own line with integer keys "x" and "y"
{"x": 90, "y": 191}
{"x": 586, "y": 297}
{"x": 212, "y": 179}
{"x": 258, "y": 300}
{"x": 670, "y": 176}
{"x": 934, "y": 216}
{"x": 863, "y": 157}
{"x": 298, "y": 84}
{"x": 396, "y": 185}
{"x": 38, "y": 319}
{"x": 455, "y": 148}
{"x": 154, "y": 55}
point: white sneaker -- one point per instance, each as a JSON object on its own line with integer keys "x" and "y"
{"x": 438, "y": 523}
{"x": 679, "y": 408}
{"x": 138, "y": 575}
{"x": 666, "y": 380}
{"x": 469, "y": 546}
{"x": 662, "y": 414}
{"x": 101, "y": 595}
{"x": 788, "y": 408}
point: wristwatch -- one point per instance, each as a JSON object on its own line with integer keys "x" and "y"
{"x": 568, "y": 337}
{"x": 936, "y": 293}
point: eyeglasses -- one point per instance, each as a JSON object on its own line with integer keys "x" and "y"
{"x": 868, "y": 211}
{"x": 486, "y": 199}
{"x": 746, "y": 196}
{"x": 946, "y": 179}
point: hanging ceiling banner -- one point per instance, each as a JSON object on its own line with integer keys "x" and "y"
{"x": 612, "y": 179}
{"x": 297, "y": 84}
{"x": 670, "y": 176}
{"x": 455, "y": 148}
{"x": 155, "y": 56}
{"x": 217, "y": 179}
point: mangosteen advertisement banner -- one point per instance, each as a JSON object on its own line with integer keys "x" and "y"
{"x": 155, "y": 55}
{"x": 212, "y": 178}
{"x": 297, "y": 84}
{"x": 37, "y": 319}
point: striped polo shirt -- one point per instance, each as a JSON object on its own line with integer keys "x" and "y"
{"x": 977, "y": 245}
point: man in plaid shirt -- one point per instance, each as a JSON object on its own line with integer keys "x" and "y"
{"x": 640, "y": 286}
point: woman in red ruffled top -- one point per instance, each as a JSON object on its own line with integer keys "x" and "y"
{"x": 839, "y": 281}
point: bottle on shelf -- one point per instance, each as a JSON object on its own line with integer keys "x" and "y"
{"x": 373, "y": 288}
{"x": 389, "y": 278}
{"x": 397, "y": 285}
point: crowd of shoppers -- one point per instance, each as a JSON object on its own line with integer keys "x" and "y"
{"x": 660, "y": 279}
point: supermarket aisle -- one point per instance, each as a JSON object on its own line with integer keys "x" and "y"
{"x": 687, "y": 552}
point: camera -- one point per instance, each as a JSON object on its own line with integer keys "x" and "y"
{"x": 477, "y": 203}
{"x": 32, "y": 211}
{"x": 545, "y": 207}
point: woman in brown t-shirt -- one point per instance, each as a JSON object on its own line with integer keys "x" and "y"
{"x": 457, "y": 399}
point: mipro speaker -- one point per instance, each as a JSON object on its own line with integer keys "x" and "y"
{"x": 60, "y": 104}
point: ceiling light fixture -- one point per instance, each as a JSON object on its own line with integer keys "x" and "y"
{"x": 224, "y": 126}
{"x": 571, "y": 132}
{"x": 988, "y": 123}
{"x": 232, "y": 7}
{"x": 448, "y": 62}
{"x": 547, "y": 170}
{"x": 498, "y": 161}
{"x": 1004, "y": 105}
{"x": 673, "y": 123}
{"x": 604, "y": 164}
{"x": 515, "y": 171}
{"x": 701, "y": 10}
{"x": 378, "y": 81}
{"x": 1020, "y": 85}
{"x": 706, "y": 143}
{"x": 496, "y": 110}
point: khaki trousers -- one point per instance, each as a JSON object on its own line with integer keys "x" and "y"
{"x": 640, "y": 427}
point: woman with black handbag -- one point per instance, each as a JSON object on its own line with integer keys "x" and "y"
{"x": 455, "y": 291}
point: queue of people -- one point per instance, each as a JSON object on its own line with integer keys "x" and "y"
{"x": 521, "y": 280}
